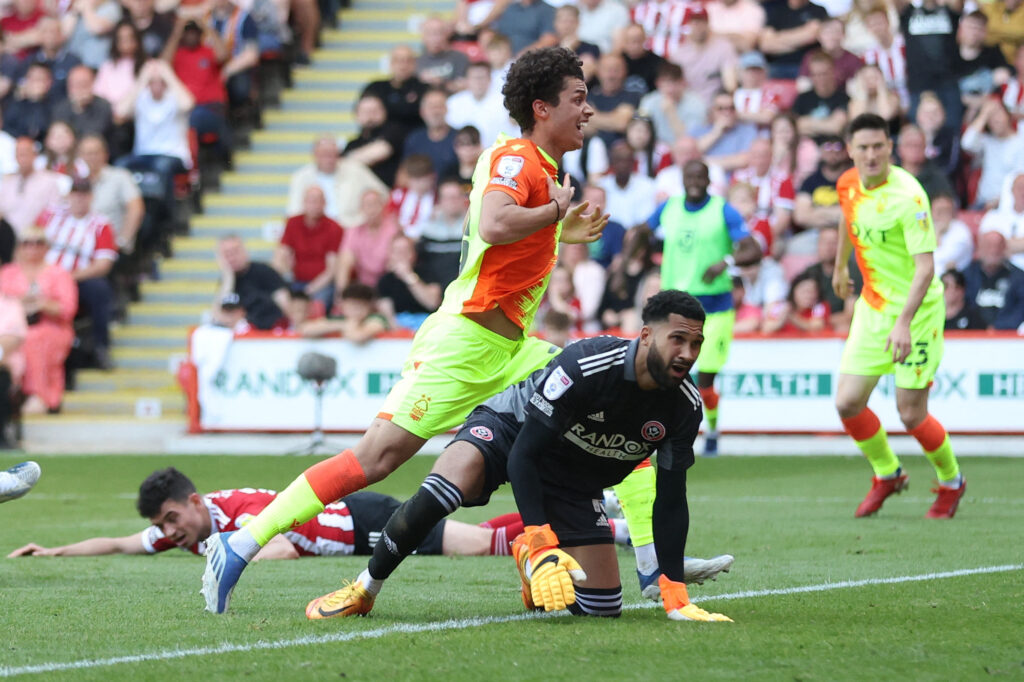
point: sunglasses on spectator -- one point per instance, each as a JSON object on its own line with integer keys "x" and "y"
{"x": 725, "y": 107}
{"x": 832, "y": 147}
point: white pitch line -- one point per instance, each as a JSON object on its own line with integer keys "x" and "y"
{"x": 463, "y": 624}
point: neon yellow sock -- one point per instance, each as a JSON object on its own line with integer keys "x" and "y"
{"x": 636, "y": 494}
{"x": 944, "y": 461}
{"x": 293, "y": 506}
{"x": 876, "y": 448}
{"x": 712, "y": 416}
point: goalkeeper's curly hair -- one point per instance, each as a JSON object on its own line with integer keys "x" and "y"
{"x": 664, "y": 303}
{"x": 538, "y": 75}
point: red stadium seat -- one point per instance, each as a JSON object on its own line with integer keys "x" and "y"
{"x": 973, "y": 220}
{"x": 785, "y": 90}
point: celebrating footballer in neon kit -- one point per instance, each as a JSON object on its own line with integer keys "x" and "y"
{"x": 476, "y": 344}
{"x": 898, "y": 319}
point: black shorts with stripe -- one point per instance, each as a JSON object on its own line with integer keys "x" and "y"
{"x": 370, "y": 513}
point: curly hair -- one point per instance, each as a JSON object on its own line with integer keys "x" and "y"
{"x": 669, "y": 301}
{"x": 160, "y": 486}
{"x": 538, "y": 75}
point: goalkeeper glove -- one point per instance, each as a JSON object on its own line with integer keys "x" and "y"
{"x": 547, "y": 570}
{"x": 679, "y": 607}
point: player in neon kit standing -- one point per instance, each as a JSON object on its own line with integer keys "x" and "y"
{"x": 475, "y": 345}
{"x": 898, "y": 318}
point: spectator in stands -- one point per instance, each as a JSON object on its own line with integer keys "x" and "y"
{"x": 296, "y": 313}
{"x": 342, "y": 180}
{"x": 955, "y": 244}
{"x": 528, "y": 24}
{"x": 435, "y": 139}
{"x": 20, "y": 27}
{"x": 999, "y": 149}
{"x": 49, "y": 297}
{"x": 980, "y": 68}
{"x": 588, "y": 279}
{"x": 566, "y": 26}
{"x": 641, "y": 64}
{"x": 859, "y": 37}
{"x": 83, "y": 243}
{"x": 649, "y": 155}
{"x": 556, "y": 328}
{"x": 792, "y": 29}
{"x": 116, "y": 79}
{"x": 830, "y": 40}
{"x": 1008, "y": 218}
{"x": 775, "y": 193}
{"x": 599, "y": 20}
{"x": 841, "y": 312}
{"x": 197, "y": 65}
{"x": 467, "y": 151}
{"x": 358, "y": 320}
{"x": 160, "y": 105}
{"x": 154, "y": 27}
{"x": 625, "y": 274}
{"x": 82, "y": 110}
{"x": 262, "y": 291}
{"x": 613, "y": 105}
{"x": 738, "y": 21}
{"x": 235, "y": 37}
{"x": 476, "y": 106}
{"x": 673, "y": 108}
{"x": 440, "y": 66}
{"x": 929, "y": 30}
{"x": 887, "y": 50}
{"x": 229, "y": 313}
{"x": 59, "y": 153}
{"x": 378, "y": 143}
{"x": 561, "y": 297}
{"x": 364, "y": 248}
{"x": 910, "y": 148}
{"x": 960, "y": 312}
{"x": 817, "y": 204}
{"x": 88, "y": 27}
{"x": 822, "y": 109}
{"x": 669, "y": 182}
{"x": 710, "y": 60}
{"x": 13, "y": 330}
{"x": 806, "y": 311}
{"x": 942, "y": 145}
{"x": 726, "y": 141}
{"x": 472, "y": 15}
{"x": 1005, "y": 25}
{"x": 24, "y": 194}
{"x": 764, "y": 287}
{"x": 400, "y": 93}
{"x": 605, "y": 249}
{"x": 308, "y": 251}
{"x": 754, "y": 102}
{"x": 440, "y": 243}
{"x": 114, "y": 194}
{"x": 412, "y": 200}
{"x": 994, "y": 284}
{"x": 743, "y": 197}
{"x": 631, "y": 196}
{"x": 664, "y": 23}
{"x": 869, "y": 94}
{"x": 30, "y": 110}
{"x": 407, "y": 296}
{"x": 54, "y": 53}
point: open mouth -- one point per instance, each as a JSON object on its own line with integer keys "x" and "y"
{"x": 679, "y": 369}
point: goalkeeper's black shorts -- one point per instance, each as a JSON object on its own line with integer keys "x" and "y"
{"x": 576, "y": 516}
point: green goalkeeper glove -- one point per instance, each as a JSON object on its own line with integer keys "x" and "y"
{"x": 548, "y": 570}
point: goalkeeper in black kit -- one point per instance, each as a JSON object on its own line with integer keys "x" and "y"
{"x": 571, "y": 429}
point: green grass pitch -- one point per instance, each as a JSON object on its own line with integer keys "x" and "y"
{"x": 788, "y": 521}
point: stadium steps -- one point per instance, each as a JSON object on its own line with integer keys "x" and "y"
{"x": 251, "y": 204}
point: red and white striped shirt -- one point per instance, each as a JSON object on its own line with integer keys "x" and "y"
{"x": 774, "y": 190}
{"x": 892, "y": 62}
{"x": 1012, "y": 96}
{"x": 664, "y": 23}
{"x": 75, "y": 243}
{"x": 413, "y": 210}
{"x": 752, "y": 101}
{"x": 329, "y": 533}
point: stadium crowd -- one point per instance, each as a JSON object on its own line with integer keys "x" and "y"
{"x": 112, "y": 113}
{"x": 761, "y": 92}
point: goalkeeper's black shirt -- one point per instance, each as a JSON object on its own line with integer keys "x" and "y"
{"x": 606, "y": 424}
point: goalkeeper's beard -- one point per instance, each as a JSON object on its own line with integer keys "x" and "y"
{"x": 658, "y": 370}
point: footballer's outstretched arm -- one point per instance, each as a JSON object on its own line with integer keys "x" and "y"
{"x": 129, "y": 544}
{"x": 534, "y": 438}
{"x": 670, "y": 522}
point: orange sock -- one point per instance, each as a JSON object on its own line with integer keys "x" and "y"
{"x": 863, "y": 425}
{"x": 710, "y": 397}
{"x": 336, "y": 477}
{"x": 929, "y": 434}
